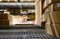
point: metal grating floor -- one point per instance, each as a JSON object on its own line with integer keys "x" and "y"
{"x": 24, "y": 34}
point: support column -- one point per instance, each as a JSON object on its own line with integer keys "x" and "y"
{"x": 38, "y": 12}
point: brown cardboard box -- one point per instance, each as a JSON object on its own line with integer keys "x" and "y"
{"x": 14, "y": 11}
{"x": 54, "y": 27}
{"x": 12, "y": 0}
{"x": 4, "y": 23}
{"x": 5, "y": 0}
{"x": 3, "y": 16}
{"x": 56, "y": 0}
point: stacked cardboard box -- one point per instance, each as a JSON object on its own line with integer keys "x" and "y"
{"x": 3, "y": 16}
{"x": 53, "y": 25}
{"x": 13, "y": 0}
{"x": 4, "y": 22}
{"x": 15, "y": 11}
{"x": 5, "y": 0}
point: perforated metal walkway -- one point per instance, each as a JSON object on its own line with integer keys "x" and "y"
{"x": 24, "y": 34}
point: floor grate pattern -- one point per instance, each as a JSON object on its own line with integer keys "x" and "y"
{"x": 24, "y": 34}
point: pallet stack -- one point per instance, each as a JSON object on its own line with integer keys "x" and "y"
{"x": 4, "y": 22}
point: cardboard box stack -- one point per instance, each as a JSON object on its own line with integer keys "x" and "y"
{"x": 4, "y": 22}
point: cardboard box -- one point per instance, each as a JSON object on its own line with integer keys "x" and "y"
{"x": 3, "y": 16}
{"x": 4, "y": 23}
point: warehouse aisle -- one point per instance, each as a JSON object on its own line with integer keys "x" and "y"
{"x": 32, "y": 33}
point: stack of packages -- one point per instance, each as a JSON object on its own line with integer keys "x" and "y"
{"x": 4, "y": 22}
